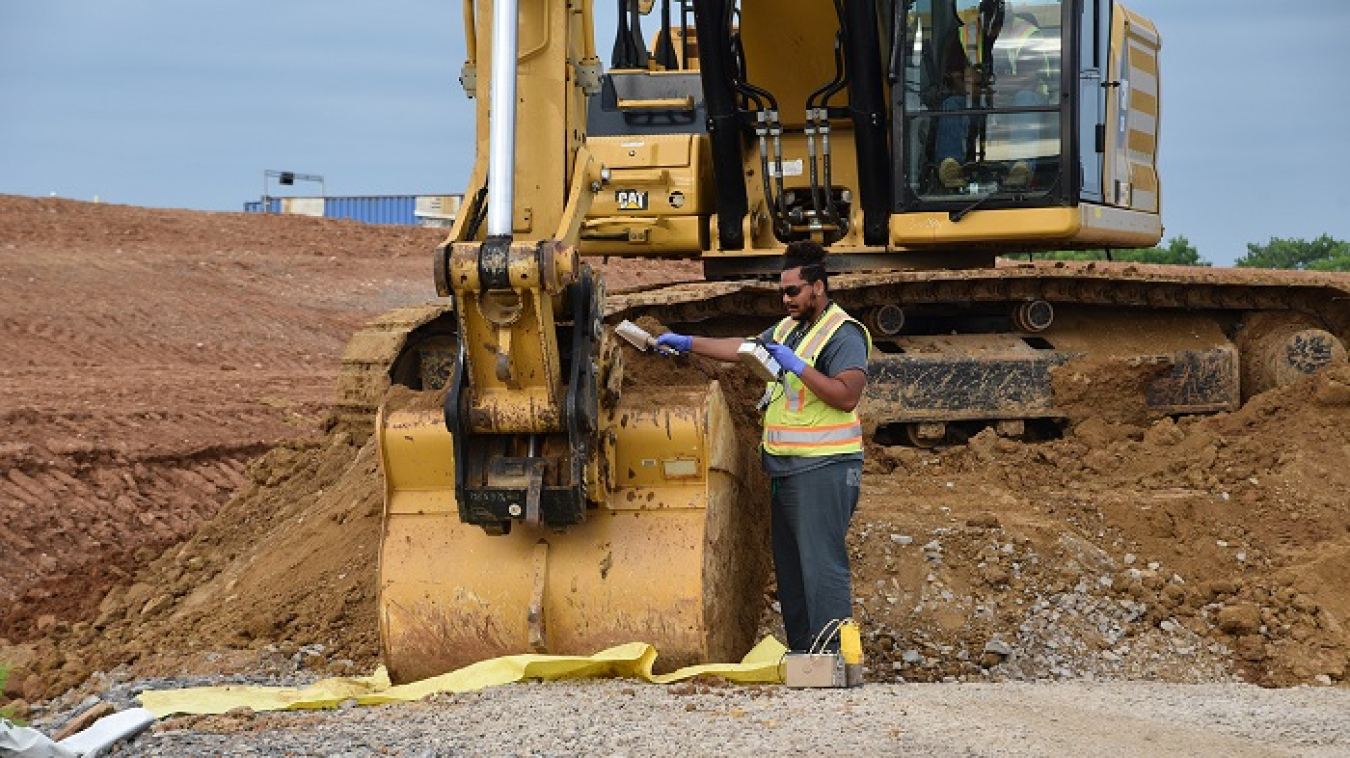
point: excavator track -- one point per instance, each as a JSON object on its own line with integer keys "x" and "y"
{"x": 980, "y": 345}
{"x": 1173, "y": 288}
{"x": 386, "y": 352}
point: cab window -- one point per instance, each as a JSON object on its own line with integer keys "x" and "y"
{"x": 981, "y": 98}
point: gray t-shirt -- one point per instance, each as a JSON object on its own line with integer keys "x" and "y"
{"x": 846, "y": 349}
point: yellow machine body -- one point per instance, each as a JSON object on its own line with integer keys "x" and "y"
{"x": 787, "y": 46}
{"x": 660, "y": 200}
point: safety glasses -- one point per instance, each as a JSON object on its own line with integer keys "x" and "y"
{"x": 792, "y": 290}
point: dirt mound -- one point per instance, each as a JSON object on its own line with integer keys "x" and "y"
{"x": 1165, "y": 549}
{"x": 151, "y": 355}
{"x": 170, "y": 502}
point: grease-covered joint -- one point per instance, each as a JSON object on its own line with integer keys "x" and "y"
{"x": 499, "y": 264}
{"x": 520, "y": 269}
{"x": 563, "y": 263}
{"x": 463, "y": 273}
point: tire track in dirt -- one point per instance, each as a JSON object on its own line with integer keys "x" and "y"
{"x": 97, "y": 522}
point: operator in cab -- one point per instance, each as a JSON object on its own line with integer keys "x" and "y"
{"x": 812, "y": 444}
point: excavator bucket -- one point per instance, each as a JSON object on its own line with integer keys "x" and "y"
{"x": 674, "y": 556}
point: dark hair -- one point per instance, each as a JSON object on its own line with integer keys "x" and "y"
{"x": 810, "y": 257}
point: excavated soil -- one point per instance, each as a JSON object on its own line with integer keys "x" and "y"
{"x": 172, "y": 502}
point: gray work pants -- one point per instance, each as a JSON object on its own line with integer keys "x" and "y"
{"x": 811, "y": 513}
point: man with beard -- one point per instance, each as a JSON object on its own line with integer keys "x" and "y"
{"x": 812, "y": 446}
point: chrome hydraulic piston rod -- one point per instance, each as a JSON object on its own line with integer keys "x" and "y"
{"x": 502, "y": 129}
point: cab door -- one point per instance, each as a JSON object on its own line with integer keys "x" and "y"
{"x": 1094, "y": 40}
{"x": 1132, "y": 114}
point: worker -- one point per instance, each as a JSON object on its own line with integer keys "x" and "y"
{"x": 812, "y": 446}
{"x": 1018, "y": 72}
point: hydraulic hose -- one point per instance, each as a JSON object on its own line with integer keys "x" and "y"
{"x": 867, "y": 103}
{"x": 724, "y": 127}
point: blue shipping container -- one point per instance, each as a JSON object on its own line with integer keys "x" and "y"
{"x": 392, "y": 209}
{"x": 375, "y": 209}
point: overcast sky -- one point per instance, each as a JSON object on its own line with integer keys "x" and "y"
{"x": 186, "y": 104}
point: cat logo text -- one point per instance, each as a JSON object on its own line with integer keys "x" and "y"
{"x": 631, "y": 200}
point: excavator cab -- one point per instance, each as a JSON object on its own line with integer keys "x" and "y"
{"x": 1009, "y": 106}
{"x": 981, "y": 96}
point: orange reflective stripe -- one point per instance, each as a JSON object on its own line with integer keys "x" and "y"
{"x": 819, "y": 428}
{"x": 814, "y": 436}
{"x": 970, "y": 40}
{"x": 819, "y": 336}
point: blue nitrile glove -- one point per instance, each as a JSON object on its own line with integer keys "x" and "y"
{"x": 786, "y": 358}
{"x": 677, "y": 342}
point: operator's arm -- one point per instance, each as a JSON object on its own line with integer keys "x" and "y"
{"x": 840, "y": 392}
{"x": 721, "y": 348}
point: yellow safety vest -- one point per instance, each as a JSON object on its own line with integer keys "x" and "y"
{"x": 1012, "y": 39}
{"x": 801, "y": 423}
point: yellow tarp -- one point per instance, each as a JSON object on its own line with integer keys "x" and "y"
{"x": 633, "y": 660}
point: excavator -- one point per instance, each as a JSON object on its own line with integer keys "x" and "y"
{"x": 537, "y": 502}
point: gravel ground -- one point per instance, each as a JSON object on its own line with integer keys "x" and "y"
{"x": 627, "y": 718}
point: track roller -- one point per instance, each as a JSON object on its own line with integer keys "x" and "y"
{"x": 1033, "y": 317}
{"x": 925, "y": 434}
{"x": 886, "y": 320}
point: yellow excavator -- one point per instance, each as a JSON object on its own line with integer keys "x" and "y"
{"x": 537, "y": 502}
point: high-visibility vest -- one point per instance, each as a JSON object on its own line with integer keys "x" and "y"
{"x": 970, "y": 41}
{"x": 802, "y": 424}
{"x": 1015, "y": 35}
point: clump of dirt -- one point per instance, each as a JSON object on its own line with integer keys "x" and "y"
{"x": 741, "y": 388}
{"x": 1110, "y": 392}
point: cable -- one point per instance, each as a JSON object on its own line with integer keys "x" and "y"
{"x": 772, "y": 392}
{"x": 822, "y": 639}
